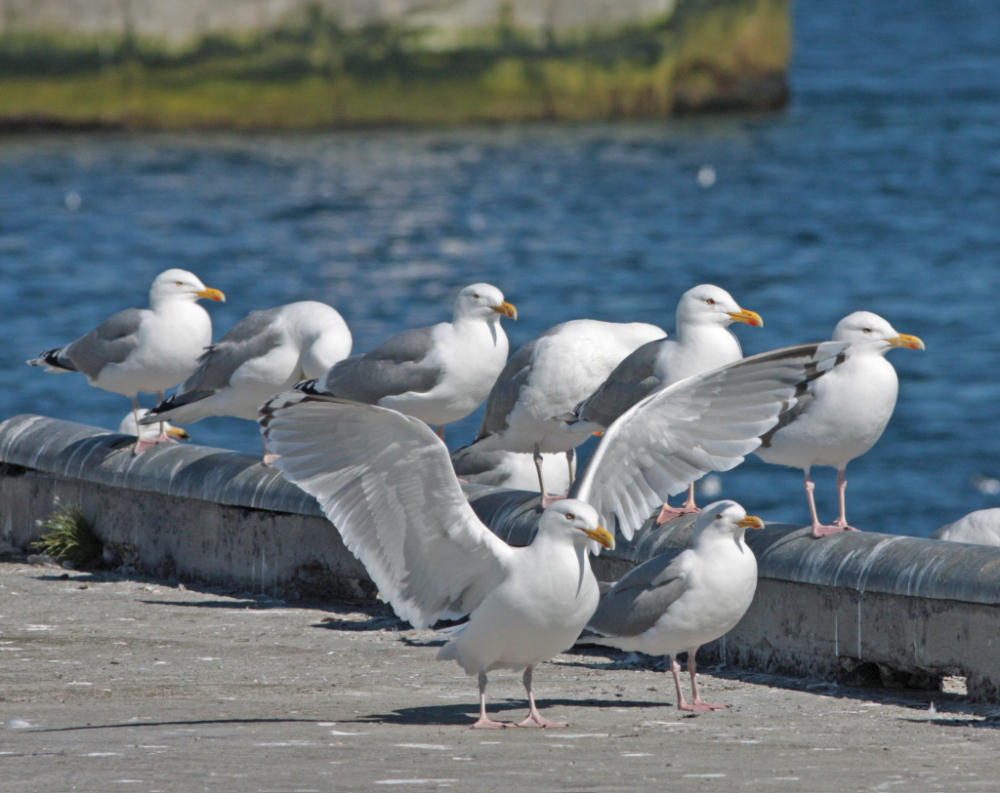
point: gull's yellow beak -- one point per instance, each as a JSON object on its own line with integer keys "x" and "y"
{"x": 507, "y": 309}
{"x": 180, "y": 434}
{"x": 751, "y": 522}
{"x": 212, "y": 294}
{"x": 601, "y": 536}
{"x": 752, "y": 318}
{"x": 905, "y": 340}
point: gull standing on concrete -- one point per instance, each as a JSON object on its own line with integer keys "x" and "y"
{"x": 679, "y": 601}
{"x": 143, "y": 349}
{"x": 386, "y": 482}
{"x": 128, "y": 426}
{"x": 842, "y": 415}
{"x": 547, "y": 376}
{"x": 438, "y": 374}
{"x": 981, "y": 527}
{"x": 265, "y": 353}
{"x": 702, "y": 342}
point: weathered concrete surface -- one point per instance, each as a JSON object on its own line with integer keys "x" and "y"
{"x": 139, "y": 685}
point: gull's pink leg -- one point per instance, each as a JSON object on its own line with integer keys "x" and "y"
{"x": 439, "y": 429}
{"x": 485, "y": 722}
{"x": 569, "y": 461}
{"x": 547, "y": 500}
{"x": 668, "y": 512}
{"x": 675, "y": 670}
{"x": 268, "y": 458}
{"x": 697, "y": 703}
{"x": 841, "y": 521}
{"x": 535, "y": 719}
{"x": 819, "y": 530}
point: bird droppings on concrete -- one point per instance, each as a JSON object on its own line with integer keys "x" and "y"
{"x": 248, "y": 720}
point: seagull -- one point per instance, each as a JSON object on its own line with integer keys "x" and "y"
{"x": 385, "y": 481}
{"x": 265, "y": 353}
{"x": 708, "y": 422}
{"x": 981, "y": 527}
{"x": 841, "y": 416}
{"x": 143, "y": 349}
{"x": 702, "y": 342}
{"x": 129, "y": 427}
{"x": 677, "y": 602}
{"x": 438, "y": 374}
{"x": 547, "y": 376}
{"x": 513, "y": 470}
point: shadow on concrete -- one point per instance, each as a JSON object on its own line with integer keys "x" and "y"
{"x": 195, "y": 723}
{"x": 467, "y": 713}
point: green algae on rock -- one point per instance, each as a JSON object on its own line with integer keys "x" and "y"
{"x": 312, "y": 72}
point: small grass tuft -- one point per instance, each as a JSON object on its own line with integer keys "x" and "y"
{"x": 68, "y": 536}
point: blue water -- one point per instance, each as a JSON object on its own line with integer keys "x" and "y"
{"x": 879, "y": 189}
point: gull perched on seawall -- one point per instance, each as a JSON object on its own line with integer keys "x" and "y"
{"x": 981, "y": 527}
{"x": 513, "y": 470}
{"x": 386, "y": 482}
{"x": 265, "y": 353}
{"x": 128, "y": 426}
{"x": 437, "y": 374}
{"x": 144, "y": 350}
{"x": 702, "y": 342}
{"x": 708, "y": 422}
{"x": 547, "y": 376}
{"x": 677, "y": 602}
{"x": 841, "y": 416}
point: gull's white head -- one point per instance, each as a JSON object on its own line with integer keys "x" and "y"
{"x": 710, "y": 305}
{"x": 176, "y": 284}
{"x": 576, "y": 520}
{"x": 149, "y": 431}
{"x": 869, "y": 333}
{"x": 724, "y": 520}
{"x": 483, "y": 301}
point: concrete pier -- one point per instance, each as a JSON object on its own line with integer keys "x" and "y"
{"x": 897, "y": 609}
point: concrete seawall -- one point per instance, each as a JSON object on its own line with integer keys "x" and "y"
{"x": 905, "y": 609}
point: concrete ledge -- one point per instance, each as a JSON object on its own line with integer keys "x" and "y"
{"x": 909, "y": 605}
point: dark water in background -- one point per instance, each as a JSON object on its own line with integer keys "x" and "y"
{"x": 878, "y": 189}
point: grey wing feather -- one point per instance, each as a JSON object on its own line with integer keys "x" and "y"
{"x": 110, "y": 342}
{"x": 252, "y": 337}
{"x": 395, "y": 367}
{"x": 480, "y": 468}
{"x": 635, "y": 603}
{"x": 802, "y": 403}
{"x": 630, "y": 382}
{"x": 506, "y": 390}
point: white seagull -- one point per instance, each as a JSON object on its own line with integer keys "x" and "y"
{"x": 149, "y": 432}
{"x": 547, "y": 376}
{"x": 265, "y": 353}
{"x": 386, "y": 482}
{"x": 144, "y": 350}
{"x": 702, "y": 342}
{"x": 842, "y": 415}
{"x": 437, "y": 374}
{"x": 981, "y": 527}
{"x": 677, "y": 602}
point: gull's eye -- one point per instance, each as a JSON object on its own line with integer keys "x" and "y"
{"x": 475, "y": 297}
{"x": 719, "y": 516}
{"x": 867, "y": 330}
{"x": 179, "y": 283}
{"x": 710, "y": 301}
{"x": 570, "y": 516}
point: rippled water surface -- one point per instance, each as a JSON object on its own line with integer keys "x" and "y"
{"x": 878, "y": 189}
